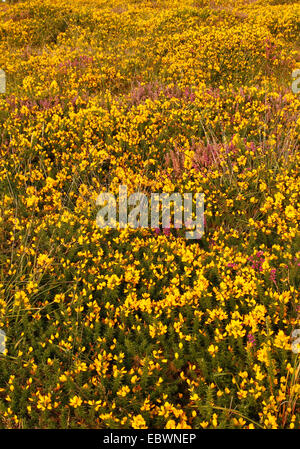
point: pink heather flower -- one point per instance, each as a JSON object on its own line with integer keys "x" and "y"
{"x": 231, "y": 264}
{"x": 257, "y": 260}
{"x": 167, "y": 231}
{"x": 251, "y": 339}
{"x": 273, "y": 275}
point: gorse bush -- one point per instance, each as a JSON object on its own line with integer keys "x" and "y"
{"x": 141, "y": 328}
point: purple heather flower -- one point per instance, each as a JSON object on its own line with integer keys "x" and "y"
{"x": 251, "y": 339}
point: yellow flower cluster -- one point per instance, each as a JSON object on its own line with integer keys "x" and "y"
{"x": 141, "y": 328}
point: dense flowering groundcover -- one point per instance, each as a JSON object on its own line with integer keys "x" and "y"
{"x": 140, "y": 328}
